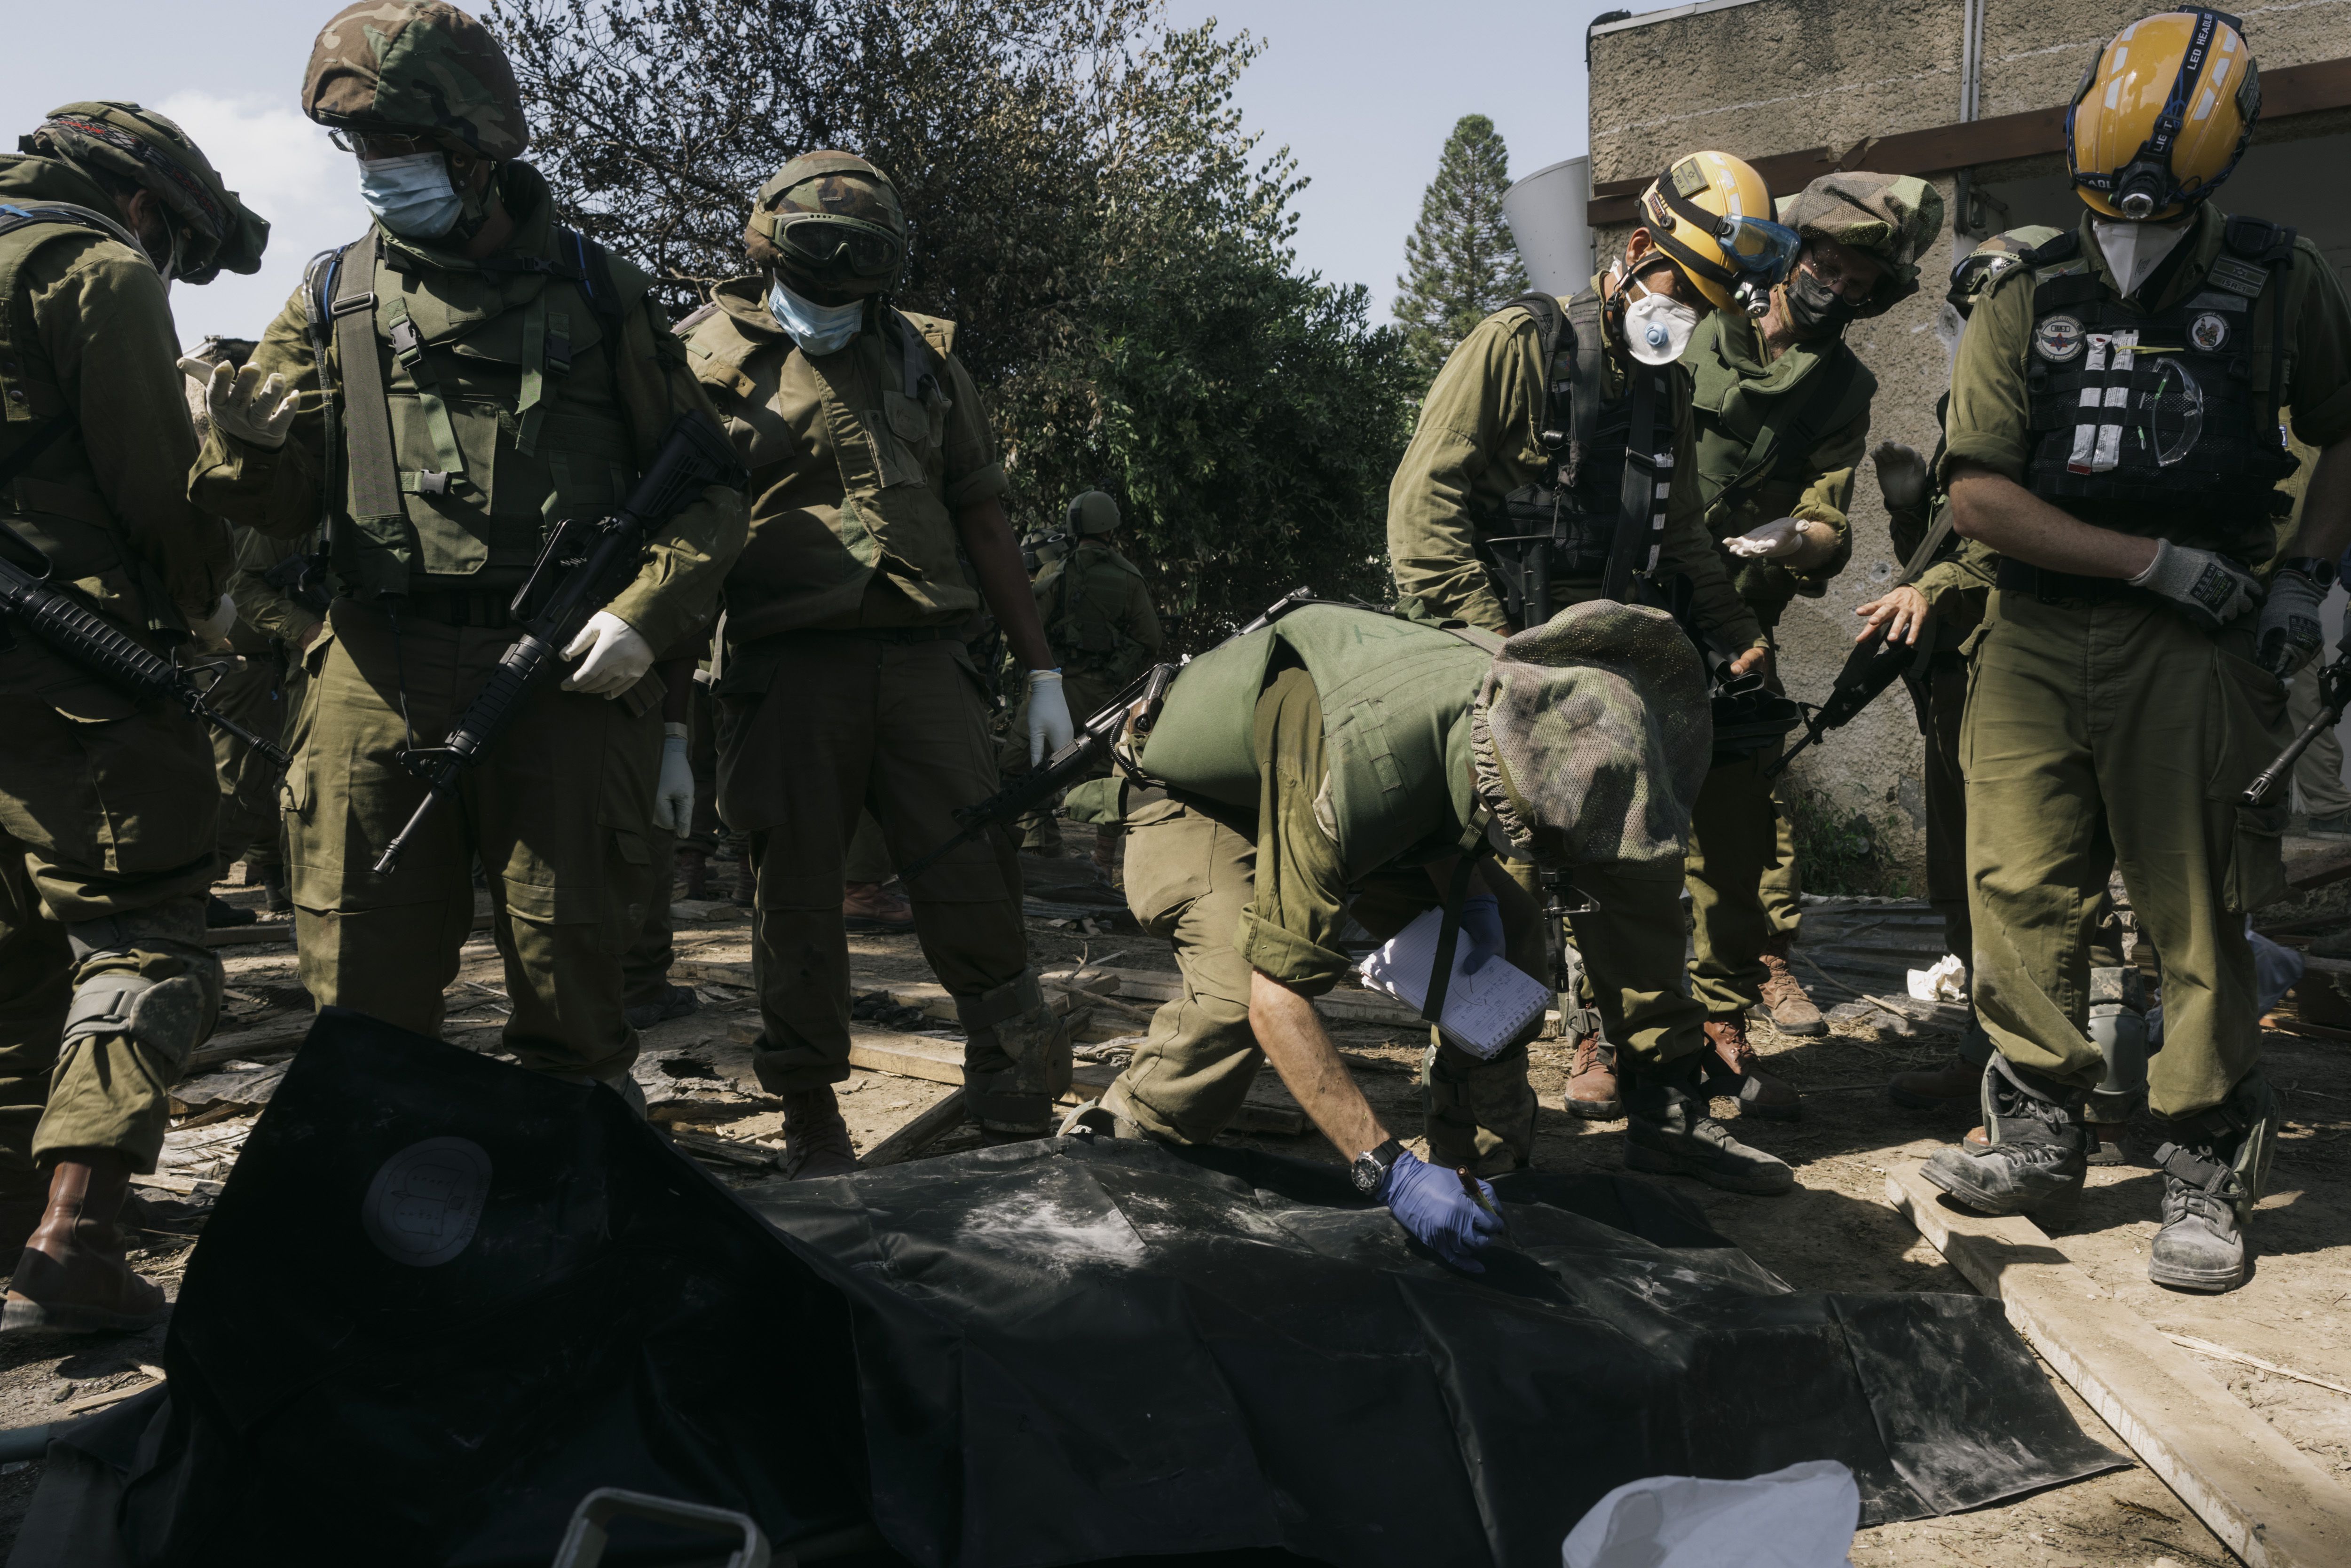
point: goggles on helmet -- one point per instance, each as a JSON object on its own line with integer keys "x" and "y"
{"x": 1756, "y": 252}
{"x": 831, "y": 246}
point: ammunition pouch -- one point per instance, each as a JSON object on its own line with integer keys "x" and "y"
{"x": 1537, "y": 541}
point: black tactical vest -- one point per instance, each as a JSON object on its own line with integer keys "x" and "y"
{"x": 2151, "y": 422}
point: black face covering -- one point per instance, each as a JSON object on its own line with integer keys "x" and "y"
{"x": 1815, "y": 309}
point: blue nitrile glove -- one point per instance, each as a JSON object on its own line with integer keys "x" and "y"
{"x": 1481, "y": 925}
{"x": 1435, "y": 1210}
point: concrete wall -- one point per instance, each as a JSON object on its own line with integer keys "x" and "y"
{"x": 1763, "y": 77}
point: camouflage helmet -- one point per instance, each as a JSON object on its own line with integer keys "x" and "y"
{"x": 212, "y": 230}
{"x": 830, "y": 220}
{"x": 1892, "y": 217}
{"x": 1093, "y": 513}
{"x": 1590, "y": 735}
{"x": 1988, "y": 262}
{"x": 415, "y": 68}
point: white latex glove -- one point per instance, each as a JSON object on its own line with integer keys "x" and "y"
{"x": 1779, "y": 537}
{"x": 673, "y": 796}
{"x": 613, "y": 656}
{"x": 216, "y": 626}
{"x": 1050, "y": 728}
{"x": 1901, "y": 475}
{"x": 241, "y": 403}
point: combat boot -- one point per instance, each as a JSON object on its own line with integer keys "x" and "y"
{"x": 220, "y": 913}
{"x": 72, "y": 1277}
{"x": 694, "y": 868}
{"x": 1730, "y": 1068}
{"x": 1016, "y": 1058}
{"x": 1790, "y": 1010}
{"x": 815, "y": 1139}
{"x": 876, "y": 906}
{"x": 2117, "y": 1027}
{"x": 2033, "y": 1158}
{"x": 1592, "y": 1091}
{"x": 1668, "y": 1132}
{"x": 276, "y": 897}
{"x": 669, "y": 1002}
{"x": 2214, "y": 1169}
{"x": 1957, "y": 1085}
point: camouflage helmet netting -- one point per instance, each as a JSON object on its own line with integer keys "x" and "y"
{"x": 416, "y": 68}
{"x": 1893, "y": 217}
{"x": 214, "y": 229}
{"x": 1592, "y": 735}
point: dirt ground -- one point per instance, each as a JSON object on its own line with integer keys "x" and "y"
{"x": 1835, "y": 1231}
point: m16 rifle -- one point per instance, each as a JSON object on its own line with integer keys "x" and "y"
{"x": 88, "y": 638}
{"x": 1876, "y": 663}
{"x": 597, "y": 558}
{"x": 2333, "y": 696}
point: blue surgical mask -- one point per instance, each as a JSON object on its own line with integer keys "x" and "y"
{"x": 817, "y": 328}
{"x": 411, "y": 196}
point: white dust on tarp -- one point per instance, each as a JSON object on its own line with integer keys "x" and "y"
{"x": 1057, "y": 1233}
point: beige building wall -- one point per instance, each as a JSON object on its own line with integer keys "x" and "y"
{"x": 1758, "y": 78}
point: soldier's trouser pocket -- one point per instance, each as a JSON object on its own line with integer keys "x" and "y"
{"x": 2249, "y": 732}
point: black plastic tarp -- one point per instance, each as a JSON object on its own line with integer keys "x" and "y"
{"x": 443, "y": 1298}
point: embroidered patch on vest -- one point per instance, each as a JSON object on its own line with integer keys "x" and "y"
{"x": 2208, "y": 332}
{"x": 2238, "y": 277}
{"x": 2057, "y": 339}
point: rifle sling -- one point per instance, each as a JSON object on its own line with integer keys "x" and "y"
{"x": 366, "y": 407}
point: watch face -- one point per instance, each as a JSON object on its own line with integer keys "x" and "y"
{"x": 1367, "y": 1173}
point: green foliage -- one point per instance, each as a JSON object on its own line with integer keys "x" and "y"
{"x": 1460, "y": 264}
{"x": 1839, "y": 852}
{"x": 1085, "y": 205}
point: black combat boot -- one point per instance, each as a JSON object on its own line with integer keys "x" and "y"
{"x": 816, "y": 1138}
{"x": 2035, "y": 1158}
{"x": 1667, "y": 1131}
{"x": 2214, "y": 1168}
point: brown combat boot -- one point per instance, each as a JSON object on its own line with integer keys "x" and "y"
{"x": 876, "y": 906}
{"x": 1591, "y": 1082}
{"x": 816, "y": 1140}
{"x": 72, "y": 1277}
{"x": 1792, "y": 1011}
{"x": 1730, "y": 1068}
{"x": 693, "y": 865}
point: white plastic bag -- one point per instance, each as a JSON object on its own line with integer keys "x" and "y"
{"x": 1802, "y": 1517}
{"x": 1945, "y": 981}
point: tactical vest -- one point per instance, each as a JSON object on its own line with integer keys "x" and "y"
{"x": 70, "y": 524}
{"x": 1395, "y": 726}
{"x": 2152, "y": 421}
{"x": 1081, "y": 622}
{"x": 890, "y": 460}
{"x": 1564, "y": 529}
{"x": 480, "y": 406}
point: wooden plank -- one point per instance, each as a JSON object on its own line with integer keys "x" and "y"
{"x": 2265, "y": 1499}
{"x": 245, "y": 1044}
{"x": 919, "y": 1133}
{"x": 2318, "y": 868}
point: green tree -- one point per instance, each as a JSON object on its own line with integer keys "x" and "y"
{"x": 1461, "y": 262}
{"x": 1086, "y": 206}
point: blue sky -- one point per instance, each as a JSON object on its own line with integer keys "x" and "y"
{"x": 1363, "y": 93}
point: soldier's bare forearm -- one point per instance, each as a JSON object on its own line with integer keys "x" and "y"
{"x": 994, "y": 555}
{"x": 1293, "y": 1039}
{"x": 1994, "y": 508}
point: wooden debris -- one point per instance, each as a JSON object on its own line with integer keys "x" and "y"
{"x": 262, "y": 1042}
{"x": 2222, "y": 1352}
{"x": 709, "y": 1146}
{"x": 917, "y": 1135}
{"x": 2308, "y": 869}
{"x": 2261, "y": 1495}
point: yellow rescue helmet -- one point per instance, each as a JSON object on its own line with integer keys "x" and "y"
{"x": 1711, "y": 214}
{"x": 2162, "y": 114}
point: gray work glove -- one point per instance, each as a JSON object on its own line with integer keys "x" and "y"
{"x": 2209, "y": 590}
{"x": 2288, "y": 636}
{"x": 1901, "y": 475}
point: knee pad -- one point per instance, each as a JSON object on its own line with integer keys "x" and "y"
{"x": 164, "y": 1015}
{"x": 1478, "y": 1114}
{"x": 1016, "y": 1055}
{"x": 2117, "y": 1027}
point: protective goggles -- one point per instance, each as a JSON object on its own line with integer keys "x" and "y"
{"x": 1754, "y": 250}
{"x": 831, "y": 246}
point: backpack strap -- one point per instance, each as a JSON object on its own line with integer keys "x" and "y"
{"x": 366, "y": 407}
{"x": 918, "y": 361}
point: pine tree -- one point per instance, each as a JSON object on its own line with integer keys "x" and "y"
{"x": 1460, "y": 264}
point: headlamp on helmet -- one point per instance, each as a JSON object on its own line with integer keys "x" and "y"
{"x": 2162, "y": 115}
{"x": 1733, "y": 258}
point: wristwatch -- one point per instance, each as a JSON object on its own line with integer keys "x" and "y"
{"x": 2319, "y": 569}
{"x": 1370, "y": 1171}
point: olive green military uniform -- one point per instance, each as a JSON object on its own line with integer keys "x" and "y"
{"x": 516, "y": 397}
{"x": 2104, "y": 729}
{"x": 1955, "y": 585}
{"x": 1287, "y": 832}
{"x": 1474, "y": 445}
{"x": 1770, "y": 439}
{"x": 109, "y": 807}
{"x": 847, "y": 682}
{"x": 263, "y": 693}
{"x": 1098, "y": 619}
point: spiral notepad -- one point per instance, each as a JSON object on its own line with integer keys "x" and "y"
{"x": 1482, "y": 1011}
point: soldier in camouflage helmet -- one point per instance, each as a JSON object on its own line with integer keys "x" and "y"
{"x": 107, "y": 805}
{"x": 432, "y": 397}
{"x": 1787, "y": 387}
{"x": 1280, "y": 821}
{"x": 848, "y": 685}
